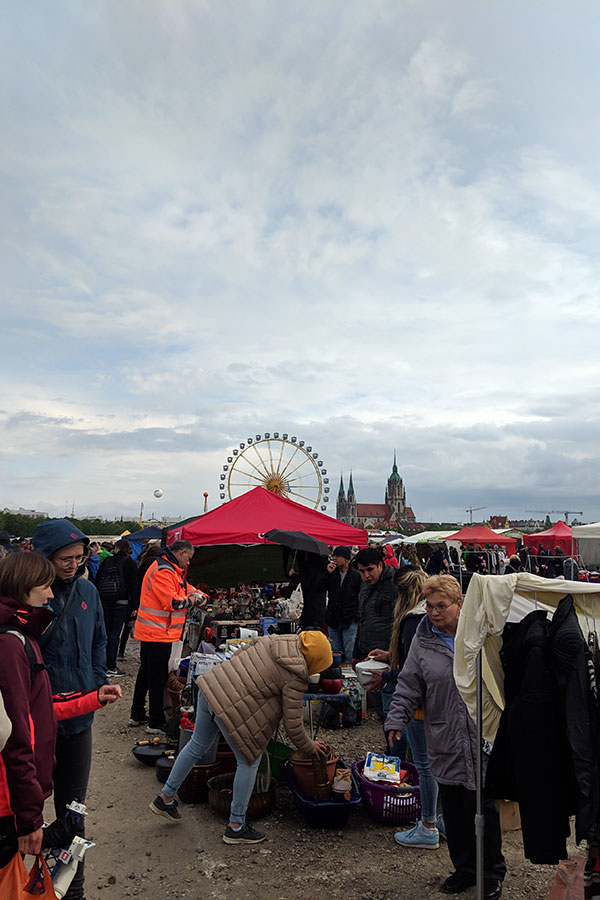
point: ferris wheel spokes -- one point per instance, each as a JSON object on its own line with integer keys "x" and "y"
{"x": 295, "y": 471}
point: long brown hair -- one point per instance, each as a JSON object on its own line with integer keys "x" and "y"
{"x": 20, "y": 572}
{"x": 410, "y": 591}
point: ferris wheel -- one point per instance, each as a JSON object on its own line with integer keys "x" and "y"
{"x": 281, "y": 464}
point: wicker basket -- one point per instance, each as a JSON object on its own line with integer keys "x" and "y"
{"x": 385, "y": 802}
{"x": 220, "y": 791}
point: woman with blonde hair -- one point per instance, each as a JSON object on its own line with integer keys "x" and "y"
{"x": 408, "y": 612}
{"x": 427, "y": 680}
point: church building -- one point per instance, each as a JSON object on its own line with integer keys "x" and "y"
{"x": 385, "y": 516}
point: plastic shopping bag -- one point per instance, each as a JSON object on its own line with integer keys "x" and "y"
{"x": 13, "y": 878}
{"x": 39, "y": 883}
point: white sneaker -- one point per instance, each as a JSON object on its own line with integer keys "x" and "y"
{"x": 154, "y": 730}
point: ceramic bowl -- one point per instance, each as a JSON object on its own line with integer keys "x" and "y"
{"x": 366, "y": 667}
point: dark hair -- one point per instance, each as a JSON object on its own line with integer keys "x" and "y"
{"x": 21, "y": 572}
{"x": 181, "y": 545}
{"x": 123, "y": 544}
{"x": 369, "y": 556}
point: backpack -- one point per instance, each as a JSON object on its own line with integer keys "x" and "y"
{"x": 109, "y": 580}
{"x": 34, "y": 665}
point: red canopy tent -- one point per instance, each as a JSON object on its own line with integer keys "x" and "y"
{"x": 246, "y": 519}
{"x": 231, "y": 545}
{"x": 559, "y": 535}
{"x": 482, "y": 535}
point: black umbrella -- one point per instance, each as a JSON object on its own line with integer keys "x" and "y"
{"x": 297, "y": 540}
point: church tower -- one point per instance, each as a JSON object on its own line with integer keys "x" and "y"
{"x": 395, "y": 496}
{"x": 340, "y": 506}
{"x": 351, "y": 504}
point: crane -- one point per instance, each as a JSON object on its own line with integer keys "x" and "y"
{"x": 471, "y": 510}
{"x": 564, "y": 512}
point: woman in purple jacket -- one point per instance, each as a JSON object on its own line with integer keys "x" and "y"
{"x": 427, "y": 681}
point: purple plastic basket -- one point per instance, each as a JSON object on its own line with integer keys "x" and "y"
{"x": 385, "y": 803}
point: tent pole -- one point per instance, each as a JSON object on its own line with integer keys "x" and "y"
{"x": 479, "y": 818}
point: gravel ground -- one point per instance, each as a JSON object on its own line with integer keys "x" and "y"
{"x": 141, "y": 855}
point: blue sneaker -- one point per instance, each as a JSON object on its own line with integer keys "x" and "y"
{"x": 441, "y": 827}
{"x": 419, "y": 837}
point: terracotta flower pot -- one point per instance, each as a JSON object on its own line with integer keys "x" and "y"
{"x": 313, "y": 774}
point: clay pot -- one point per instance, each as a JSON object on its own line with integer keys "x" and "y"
{"x": 313, "y": 774}
{"x": 331, "y": 685}
{"x": 194, "y": 789}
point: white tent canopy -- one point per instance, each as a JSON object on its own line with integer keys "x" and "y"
{"x": 588, "y": 543}
{"x": 488, "y": 605}
{"x": 423, "y": 536}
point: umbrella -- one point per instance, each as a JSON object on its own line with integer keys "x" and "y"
{"x": 297, "y": 540}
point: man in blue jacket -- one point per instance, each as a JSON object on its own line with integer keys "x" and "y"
{"x": 74, "y": 651}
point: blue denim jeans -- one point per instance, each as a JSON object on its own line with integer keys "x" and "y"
{"x": 206, "y": 728}
{"x": 415, "y": 731}
{"x": 342, "y": 641}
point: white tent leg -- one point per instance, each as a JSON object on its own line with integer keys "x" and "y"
{"x": 479, "y": 817}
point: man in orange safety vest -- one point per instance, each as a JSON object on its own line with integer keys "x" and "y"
{"x": 164, "y": 600}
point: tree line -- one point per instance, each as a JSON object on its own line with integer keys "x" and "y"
{"x": 22, "y": 526}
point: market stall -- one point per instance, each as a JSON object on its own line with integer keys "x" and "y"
{"x": 588, "y": 543}
{"x": 231, "y": 544}
{"x": 490, "y": 604}
{"x": 560, "y": 535}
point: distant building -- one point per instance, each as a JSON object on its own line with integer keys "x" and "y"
{"x": 498, "y": 521}
{"x": 30, "y": 513}
{"x": 393, "y": 513}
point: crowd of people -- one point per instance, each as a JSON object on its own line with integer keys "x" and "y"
{"x": 68, "y": 607}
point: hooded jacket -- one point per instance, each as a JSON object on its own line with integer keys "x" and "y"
{"x": 375, "y": 614}
{"x": 427, "y": 680}
{"x": 27, "y": 760}
{"x": 75, "y": 655}
{"x": 258, "y": 686}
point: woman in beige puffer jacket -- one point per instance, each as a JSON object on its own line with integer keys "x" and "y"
{"x": 244, "y": 698}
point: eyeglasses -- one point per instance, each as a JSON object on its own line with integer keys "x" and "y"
{"x": 438, "y": 607}
{"x": 67, "y": 560}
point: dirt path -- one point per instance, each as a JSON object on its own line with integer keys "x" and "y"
{"x": 141, "y": 855}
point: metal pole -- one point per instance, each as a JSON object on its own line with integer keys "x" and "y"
{"x": 479, "y": 818}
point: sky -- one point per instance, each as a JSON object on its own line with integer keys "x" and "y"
{"x": 371, "y": 225}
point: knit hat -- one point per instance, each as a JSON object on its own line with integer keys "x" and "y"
{"x": 342, "y": 551}
{"x": 317, "y": 651}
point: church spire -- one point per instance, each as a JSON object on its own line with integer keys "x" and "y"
{"x": 342, "y": 492}
{"x": 394, "y": 477}
{"x": 350, "y": 488}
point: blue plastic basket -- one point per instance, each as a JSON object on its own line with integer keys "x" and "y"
{"x": 322, "y": 813}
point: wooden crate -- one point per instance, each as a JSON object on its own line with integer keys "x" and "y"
{"x": 510, "y": 818}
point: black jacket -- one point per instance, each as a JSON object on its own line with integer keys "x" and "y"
{"x": 375, "y": 614}
{"x": 312, "y": 579}
{"x": 530, "y": 760}
{"x": 580, "y": 715}
{"x": 129, "y": 578}
{"x": 342, "y": 605}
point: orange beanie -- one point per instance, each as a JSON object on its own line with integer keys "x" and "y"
{"x": 317, "y": 651}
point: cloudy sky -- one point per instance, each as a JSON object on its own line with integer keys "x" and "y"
{"x": 373, "y": 225}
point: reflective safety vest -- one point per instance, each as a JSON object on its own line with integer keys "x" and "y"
{"x": 163, "y": 590}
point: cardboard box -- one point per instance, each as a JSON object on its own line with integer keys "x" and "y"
{"x": 510, "y": 817}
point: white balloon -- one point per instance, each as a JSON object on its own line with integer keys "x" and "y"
{"x": 158, "y": 492}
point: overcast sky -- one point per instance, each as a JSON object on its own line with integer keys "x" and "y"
{"x": 374, "y": 225}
